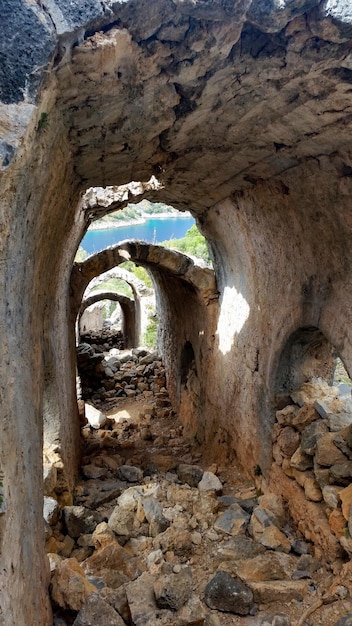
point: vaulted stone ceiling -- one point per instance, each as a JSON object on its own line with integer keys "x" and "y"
{"x": 209, "y": 97}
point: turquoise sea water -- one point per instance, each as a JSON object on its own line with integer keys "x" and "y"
{"x": 152, "y": 231}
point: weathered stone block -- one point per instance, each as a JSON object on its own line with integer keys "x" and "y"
{"x": 190, "y": 474}
{"x": 80, "y": 520}
{"x": 237, "y": 548}
{"x": 114, "y": 564}
{"x": 265, "y": 592}
{"x": 339, "y": 421}
{"x": 322, "y": 408}
{"x": 326, "y": 452}
{"x": 210, "y": 482}
{"x": 288, "y": 441}
{"x": 69, "y": 585}
{"x": 311, "y": 434}
{"x": 305, "y": 416}
{"x": 96, "y": 419}
{"x": 268, "y": 566}
{"x": 301, "y": 461}
{"x": 51, "y": 510}
{"x": 130, "y": 473}
{"x": 141, "y": 600}
{"x": 233, "y": 521}
{"x": 121, "y": 521}
{"x": 346, "y": 499}
{"x": 224, "y": 593}
{"x": 331, "y": 496}
{"x": 286, "y": 415}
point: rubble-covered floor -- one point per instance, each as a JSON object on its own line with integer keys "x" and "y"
{"x": 156, "y": 537}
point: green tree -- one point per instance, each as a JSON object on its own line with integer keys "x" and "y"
{"x": 139, "y": 271}
{"x": 193, "y": 244}
{"x": 151, "y": 331}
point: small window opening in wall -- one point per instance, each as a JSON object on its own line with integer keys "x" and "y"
{"x": 187, "y": 362}
{"x": 2, "y": 497}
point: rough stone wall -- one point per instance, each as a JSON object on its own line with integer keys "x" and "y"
{"x": 187, "y": 306}
{"x": 93, "y": 318}
{"x": 283, "y": 264}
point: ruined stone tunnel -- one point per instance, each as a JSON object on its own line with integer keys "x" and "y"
{"x": 241, "y": 110}
{"x": 186, "y": 296}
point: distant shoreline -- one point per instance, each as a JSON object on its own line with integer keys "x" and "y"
{"x": 108, "y": 225}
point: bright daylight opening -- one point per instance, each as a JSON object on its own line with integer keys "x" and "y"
{"x": 114, "y": 216}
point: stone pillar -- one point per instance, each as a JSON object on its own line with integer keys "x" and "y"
{"x": 36, "y": 252}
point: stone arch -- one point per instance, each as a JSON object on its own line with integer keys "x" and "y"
{"x": 143, "y": 296}
{"x": 152, "y": 257}
{"x": 138, "y": 287}
{"x": 129, "y": 330}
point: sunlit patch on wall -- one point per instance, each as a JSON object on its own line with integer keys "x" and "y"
{"x": 233, "y": 314}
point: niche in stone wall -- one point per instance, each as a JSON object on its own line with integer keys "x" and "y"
{"x": 307, "y": 354}
{"x": 187, "y": 363}
{"x": 188, "y": 389}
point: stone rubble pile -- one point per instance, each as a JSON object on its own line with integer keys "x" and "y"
{"x": 104, "y": 339}
{"x": 153, "y": 539}
{"x": 122, "y": 374}
{"x": 312, "y": 443}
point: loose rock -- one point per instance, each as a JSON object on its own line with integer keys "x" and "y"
{"x": 69, "y": 585}
{"x": 224, "y": 593}
{"x": 96, "y": 612}
{"x": 172, "y": 591}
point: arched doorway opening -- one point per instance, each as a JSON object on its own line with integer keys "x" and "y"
{"x": 115, "y": 315}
